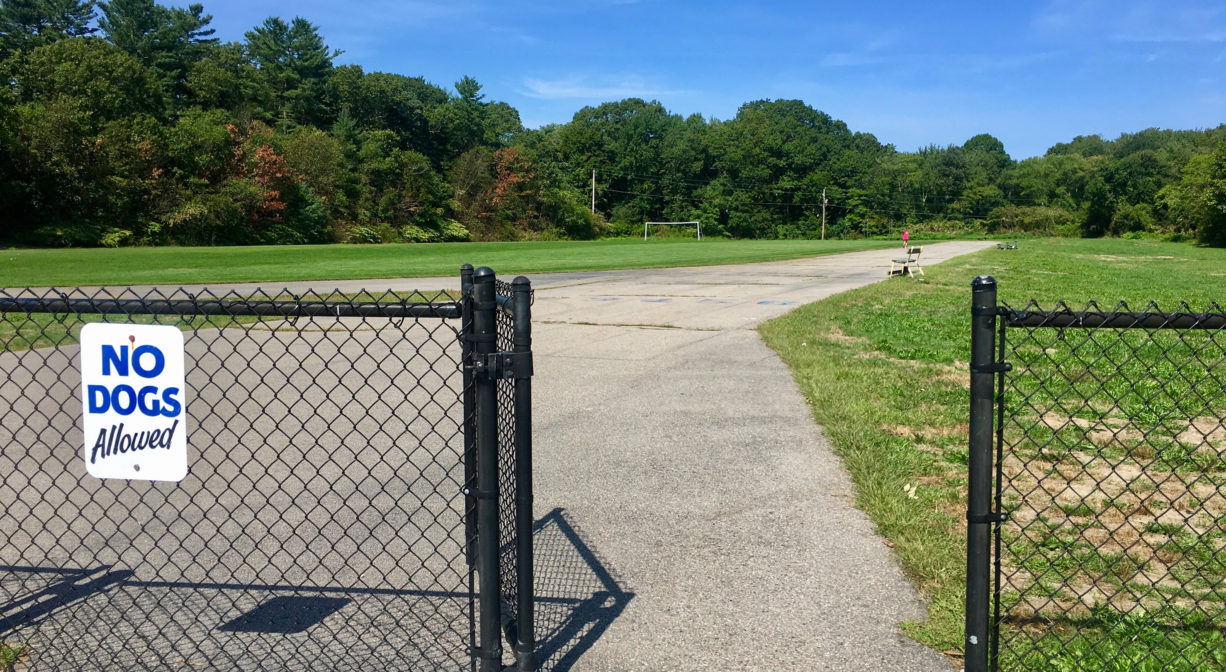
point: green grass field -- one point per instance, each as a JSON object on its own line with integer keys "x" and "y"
{"x": 286, "y": 263}
{"x": 885, "y": 370}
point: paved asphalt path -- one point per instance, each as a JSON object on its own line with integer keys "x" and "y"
{"x": 682, "y": 445}
{"x": 706, "y": 524}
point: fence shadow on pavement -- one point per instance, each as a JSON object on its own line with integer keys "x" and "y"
{"x": 59, "y": 587}
{"x": 225, "y": 625}
{"x": 577, "y": 594}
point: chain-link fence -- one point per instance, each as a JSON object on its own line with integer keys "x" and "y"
{"x": 1109, "y": 516}
{"x": 323, "y": 522}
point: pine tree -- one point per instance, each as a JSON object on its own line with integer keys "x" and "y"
{"x": 168, "y": 40}
{"x": 294, "y": 63}
{"x": 29, "y": 24}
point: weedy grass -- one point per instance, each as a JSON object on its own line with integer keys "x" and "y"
{"x": 289, "y": 263}
{"x": 885, "y": 371}
{"x": 9, "y": 655}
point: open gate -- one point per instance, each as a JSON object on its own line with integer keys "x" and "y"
{"x": 358, "y": 494}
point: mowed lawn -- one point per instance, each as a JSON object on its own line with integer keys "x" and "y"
{"x": 885, "y": 371}
{"x": 285, "y": 263}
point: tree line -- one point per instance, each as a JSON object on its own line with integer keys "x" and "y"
{"x": 126, "y": 122}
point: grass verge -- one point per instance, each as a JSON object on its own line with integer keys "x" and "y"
{"x": 885, "y": 371}
{"x": 287, "y": 263}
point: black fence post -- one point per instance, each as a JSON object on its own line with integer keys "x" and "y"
{"x": 979, "y": 486}
{"x": 470, "y": 447}
{"x": 525, "y": 644}
{"x": 485, "y": 393}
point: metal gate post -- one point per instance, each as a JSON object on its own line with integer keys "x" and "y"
{"x": 485, "y": 394}
{"x": 470, "y": 448}
{"x": 979, "y": 469}
{"x": 525, "y": 644}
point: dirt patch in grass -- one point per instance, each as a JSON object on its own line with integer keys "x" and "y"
{"x": 1114, "y": 521}
{"x": 1102, "y": 432}
{"x": 836, "y": 335}
{"x": 1206, "y": 432}
{"x": 932, "y": 433}
{"x": 1131, "y": 258}
{"x": 958, "y": 373}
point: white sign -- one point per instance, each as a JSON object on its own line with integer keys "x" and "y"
{"x": 135, "y": 401}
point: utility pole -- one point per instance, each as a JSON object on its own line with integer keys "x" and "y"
{"x": 824, "y": 202}
{"x": 593, "y": 191}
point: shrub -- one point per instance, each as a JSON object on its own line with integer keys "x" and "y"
{"x": 453, "y": 231}
{"x": 1035, "y": 220}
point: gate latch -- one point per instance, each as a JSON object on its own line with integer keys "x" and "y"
{"x": 504, "y": 365}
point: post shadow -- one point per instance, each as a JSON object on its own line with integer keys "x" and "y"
{"x": 577, "y": 594}
{"x": 70, "y": 585}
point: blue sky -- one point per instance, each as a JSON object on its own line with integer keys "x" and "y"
{"x": 1032, "y": 74}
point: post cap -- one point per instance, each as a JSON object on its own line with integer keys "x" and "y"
{"x": 520, "y": 281}
{"x": 983, "y": 282}
{"x": 484, "y": 272}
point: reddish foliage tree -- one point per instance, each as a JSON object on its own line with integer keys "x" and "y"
{"x": 516, "y": 190}
{"x": 272, "y": 174}
{"x": 515, "y": 175}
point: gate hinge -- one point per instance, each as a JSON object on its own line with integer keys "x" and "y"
{"x": 503, "y": 365}
{"x": 996, "y": 517}
{"x": 995, "y": 367}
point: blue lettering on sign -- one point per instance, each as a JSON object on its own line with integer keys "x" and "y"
{"x": 120, "y": 360}
{"x": 127, "y": 405}
{"x": 146, "y": 361}
{"x": 159, "y": 361}
{"x": 124, "y": 400}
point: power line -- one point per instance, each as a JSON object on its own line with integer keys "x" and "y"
{"x": 845, "y": 208}
{"x": 733, "y": 186}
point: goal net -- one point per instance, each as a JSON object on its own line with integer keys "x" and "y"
{"x": 647, "y": 227}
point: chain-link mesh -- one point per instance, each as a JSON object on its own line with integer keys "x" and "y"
{"x": 1112, "y": 474}
{"x": 320, "y": 526}
{"x": 507, "y": 523}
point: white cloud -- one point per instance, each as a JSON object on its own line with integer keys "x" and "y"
{"x": 1145, "y": 21}
{"x": 848, "y": 59}
{"x": 575, "y": 87}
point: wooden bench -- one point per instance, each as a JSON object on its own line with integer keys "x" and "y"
{"x": 908, "y": 263}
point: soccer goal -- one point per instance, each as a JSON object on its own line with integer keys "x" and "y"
{"x": 647, "y": 226}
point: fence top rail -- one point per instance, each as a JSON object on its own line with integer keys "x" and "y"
{"x": 364, "y": 305}
{"x": 504, "y": 289}
{"x": 1118, "y": 317}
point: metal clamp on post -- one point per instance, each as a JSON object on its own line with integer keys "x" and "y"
{"x": 997, "y": 367}
{"x": 504, "y": 365}
{"x": 997, "y": 517}
{"x": 985, "y": 311}
{"x": 480, "y": 338}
